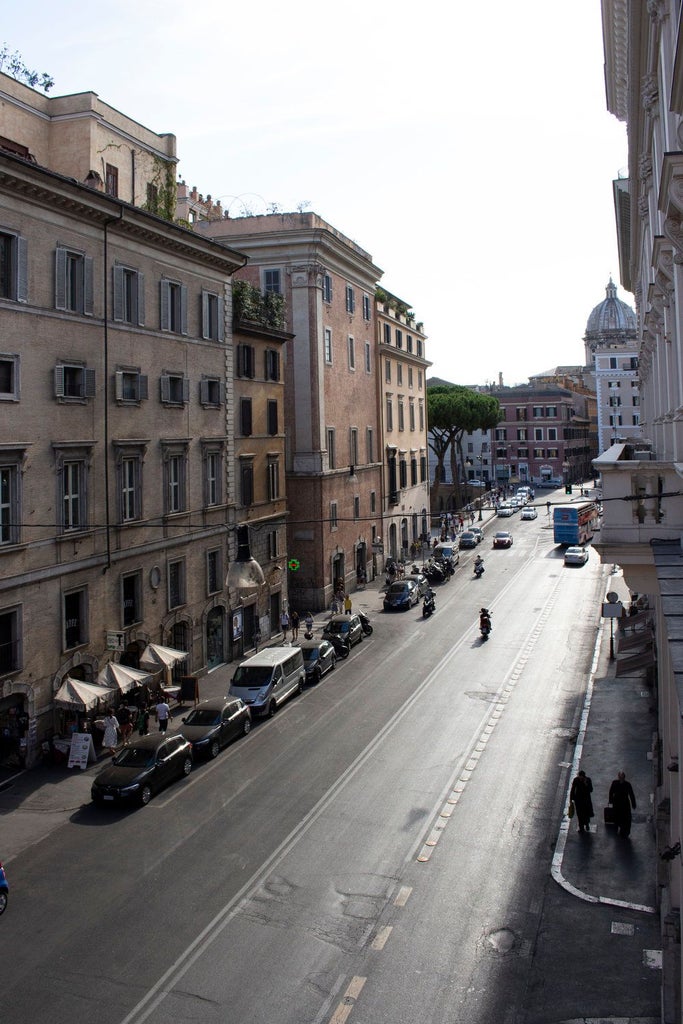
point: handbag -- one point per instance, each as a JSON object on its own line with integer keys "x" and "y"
{"x": 570, "y": 810}
{"x": 609, "y": 815}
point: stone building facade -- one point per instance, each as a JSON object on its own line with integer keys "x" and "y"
{"x": 612, "y": 353}
{"x": 402, "y": 378}
{"x": 333, "y": 451}
{"x": 116, "y": 441}
{"x": 642, "y": 525}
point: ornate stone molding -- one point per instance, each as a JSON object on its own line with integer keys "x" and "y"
{"x": 649, "y": 94}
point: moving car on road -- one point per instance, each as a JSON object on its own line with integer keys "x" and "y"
{"x": 502, "y": 539}
{"x": 468, "y": 539}
{"x": 213, "y": 723}
{"x": 142, "y": 768}
{"x": 575, "y": 556}
{"x": 529, "y": 513}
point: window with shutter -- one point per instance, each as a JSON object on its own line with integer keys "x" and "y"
{"x": 247, "y": 482}
{"x": 212, "y": 317}
{"x": 13, "y": 267}
{"x": 245, "y": 417}
{"x": 73, "y": 281}
{"x": 74, "y": 381}
{"x": 272, "y": 417}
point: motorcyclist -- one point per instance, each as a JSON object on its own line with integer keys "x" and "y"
{"x": 478, "y": 563}
{"x": 485, "y": 620}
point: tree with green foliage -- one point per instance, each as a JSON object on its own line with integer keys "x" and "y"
{"x": 452, "y": 411}
{"x": 13, "y": 64}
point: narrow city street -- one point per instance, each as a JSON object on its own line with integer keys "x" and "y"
{"x": 381, "y": 849}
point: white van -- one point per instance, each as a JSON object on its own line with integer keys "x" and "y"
{"x": 268, "y": 678}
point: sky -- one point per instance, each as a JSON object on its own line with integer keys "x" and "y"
{"x": 466, "y": 146}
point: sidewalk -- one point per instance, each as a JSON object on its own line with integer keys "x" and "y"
{"x": 616, "y": 734}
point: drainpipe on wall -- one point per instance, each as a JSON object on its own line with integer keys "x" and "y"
{"x": 105, "y": 341}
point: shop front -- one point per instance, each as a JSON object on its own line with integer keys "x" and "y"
{"x": 14, "y": 729}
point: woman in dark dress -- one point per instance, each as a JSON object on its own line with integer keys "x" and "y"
{"x": 622, "y": 799}
{"x": 580, "y": 795}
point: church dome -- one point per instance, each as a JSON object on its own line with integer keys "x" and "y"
{"x": 612, "y": 320}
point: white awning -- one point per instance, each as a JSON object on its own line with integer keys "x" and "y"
{"x": 74, "y": 693}
{"x": 122, "y": 676}
{"x": 155, "y": 657}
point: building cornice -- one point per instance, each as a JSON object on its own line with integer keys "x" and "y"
{"x": 55, "y": 191}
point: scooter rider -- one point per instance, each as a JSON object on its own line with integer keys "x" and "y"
{"x": 485, "y": 620}
{"x": 478, "y": 565}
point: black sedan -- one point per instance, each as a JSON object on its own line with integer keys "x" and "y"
{"x": 142, "y": 768}
{"x": 319, "y": 657}
{"x": 214, "y": 723}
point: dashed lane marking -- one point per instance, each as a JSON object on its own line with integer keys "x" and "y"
{"x": 348, "y": 1002}
{"x": 479, "y": 746}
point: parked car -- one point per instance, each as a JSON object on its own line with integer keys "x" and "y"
{"x": 319, "y": 657}
{"x": 347, "y": 628}
{"x": 505, "y": 511}
{"x": 502, "y": 539}
{"x": 575, "y": 556}
{"x": 212, "y": 724}
{"x": 4, "y": 890}
{"x": 421, "y": 580}
{"x": 529, "y": 513}
{"x": 401, "y": 595}
{"x": 478, "y": 533}
{"x": 447, "y": 551}
{"x": 267, "y": 679}
{"x": 142, "y": 768}
{"x": 468, "y": 539}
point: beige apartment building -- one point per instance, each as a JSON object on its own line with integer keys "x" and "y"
{"x": 117, "y": 458}
{"x": 81, "y": 137}
{"x": 403, "y": 411}
{"x": 333, "y": 459}
{"x": 259, "y": 340}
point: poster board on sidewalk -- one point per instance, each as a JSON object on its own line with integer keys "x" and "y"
{"x": 82, "y": 750}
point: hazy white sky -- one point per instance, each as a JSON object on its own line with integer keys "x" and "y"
{"x": 466, "y": 146}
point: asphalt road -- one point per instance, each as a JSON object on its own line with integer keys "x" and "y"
{"x": 378, "y": 851}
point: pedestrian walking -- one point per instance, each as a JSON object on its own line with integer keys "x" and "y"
{"x": 284, "y": 622}
{"x": 111, "y": 730}
{"x": 294, "y": 623}
{"x": 308, "y": 621}
{"x": 163, "y": 711}
{"x": 125, "y": 723}
{"x": 622, "y": 799}
{"x": 580, "y": 796}
{"x": 347, "y": 604}
{"x": 142, "y": 722}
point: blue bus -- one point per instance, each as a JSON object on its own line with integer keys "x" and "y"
{"x": 575, "y": 524}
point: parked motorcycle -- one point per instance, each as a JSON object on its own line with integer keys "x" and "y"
{"x": 485, "y": 624}
{"x": 341, "y": 648}
{"x": 365, "y": 623}
{"x": 435, "y": 573}
{"x": 428, "y": 604}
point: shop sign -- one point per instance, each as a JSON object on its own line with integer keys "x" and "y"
{"x": 237, "y": 624}
{"x": 115, "y": 640}
{"x": 82, "y": 750}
